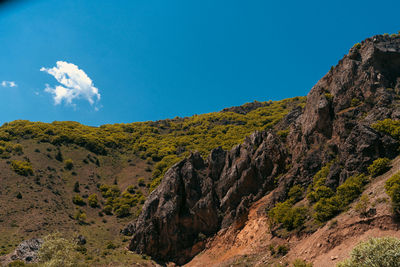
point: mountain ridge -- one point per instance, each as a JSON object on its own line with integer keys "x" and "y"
{"x": 334, "y": 127}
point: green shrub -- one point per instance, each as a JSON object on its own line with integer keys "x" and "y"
{"x": 131, "y": 189}
{"x": 351, "y": 189}
{"x": 320, "y": 192}
{"x": 379, "y": 166}
{"x": 329, "y": 96}
{"x": 282, "y": 250}
{"x": 93, "y": 201}
{"x": 388, "y": 126}
{"x": 123, "y": 210}
{"x": 355, "y": 102}
{"x": 78, "y": 200}
{"x": 59, "y": 156}
{"x": 295, "y": 193}
{"x": 110, "y": 191}
{"x": 362, "y": 205}
{"x": 392, "y": 187}
{"x": 318, "y": 189}
{"x": 141, "y": 182}
{"x": 327, "y": 208}
{"x": 80, "y": 216}
{"x": 108, "y": 209}
{"x": 68, "y": 164}
{"x": 22, "y": 167}
{"x": 290, "y": 217}
{"x": 375, "y": 252}
{"x": 301, "y": 263}
{"x": 110, "y": 245}
{"x": 357, "y": 46}
{"x": 58, "y": 251}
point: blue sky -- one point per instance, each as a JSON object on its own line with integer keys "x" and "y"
{"x": 156, "y": 59}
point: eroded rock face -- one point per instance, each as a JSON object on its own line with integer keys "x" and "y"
{"x": 199, "y": 197}
{"x": 196, "y": 197}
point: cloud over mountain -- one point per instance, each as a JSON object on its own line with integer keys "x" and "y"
{"x": 74, "y": 84}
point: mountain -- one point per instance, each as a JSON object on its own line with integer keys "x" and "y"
{"x": 256, "y": 185}
{"x": 313, "y": 171}
{"x": 50, "y": 172}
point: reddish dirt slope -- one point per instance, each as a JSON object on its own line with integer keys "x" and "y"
{"x": 328, "y": 245}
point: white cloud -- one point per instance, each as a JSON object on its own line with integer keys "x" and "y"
{"x": 8, "y": 84}
{"x": 75, "y": 84}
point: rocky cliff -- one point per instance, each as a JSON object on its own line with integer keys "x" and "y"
{"x": 198, "y": 197}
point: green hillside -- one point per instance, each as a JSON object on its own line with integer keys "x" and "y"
{"x": 76, "y": 179}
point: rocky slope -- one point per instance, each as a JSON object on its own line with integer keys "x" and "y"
{"x": 197, "y": 198}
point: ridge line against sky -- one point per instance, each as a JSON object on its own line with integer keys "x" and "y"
{"x": 124, "y": 61}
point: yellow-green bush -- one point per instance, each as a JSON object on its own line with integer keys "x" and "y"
{"x": 80, "y": 216}
{"x": 328, "y": 207}
{"x": 317, "y": 189}
{"x": 123, "y": 210}
{"x": 301, "y": 263}
{"x": 388, "y": 126}
{"x": 379, "y": 252}
{"x": 68, "y": 164}
{"x": 392, "y": 187}
{"x": 58, "y": 251}
{"x": 296, "y": 193}
{"x": 78, "y": 200}
{"x": 93, "y": 201}
{"x": 290, "y": 217}
{"x": 379, "y": 166}
{"x": 22, "y": 167}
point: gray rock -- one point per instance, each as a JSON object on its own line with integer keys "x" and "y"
{"x": 28, "y": 250}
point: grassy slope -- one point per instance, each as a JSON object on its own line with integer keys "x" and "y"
{"x": 125, "y": 154}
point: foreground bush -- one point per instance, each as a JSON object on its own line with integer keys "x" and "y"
{"x": 375, "y": 252}
{"x": 58, "y": 251}
{"x": 392, "y": 187}
{"x": 379, "y": 166}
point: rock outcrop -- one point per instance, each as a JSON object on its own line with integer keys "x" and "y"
{"x": 199, "y": 197}
{"x": 27, "y": 251}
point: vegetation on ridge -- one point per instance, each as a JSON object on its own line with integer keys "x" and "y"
{"x": 164, "y": 142}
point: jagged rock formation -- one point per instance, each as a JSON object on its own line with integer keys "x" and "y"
{"x": 197, "y": 198}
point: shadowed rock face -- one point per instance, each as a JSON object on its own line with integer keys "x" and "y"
{"x": 196, "y": 197}
{"x": 199, "y": 197}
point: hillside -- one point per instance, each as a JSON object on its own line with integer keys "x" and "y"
{"x": 43, "y": 166}
{"x": 348, "y": 127}
{"x": 266, "y": 183}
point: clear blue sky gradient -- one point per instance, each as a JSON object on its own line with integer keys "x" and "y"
{"x": 156, "y": 59}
